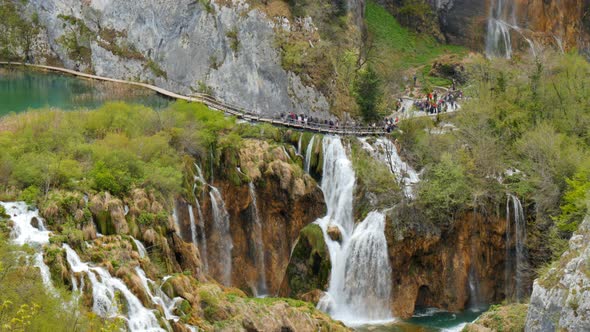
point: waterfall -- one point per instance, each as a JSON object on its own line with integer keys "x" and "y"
{"x": 516, "y": 262}
{"x": 160, "y": 298}
{"x": 140, "y": 248}
{"x": 299, "y": 145}
{"x": 360, "y": 279}
{"x": 261, "y": 288}
{"x": 221, "y": 227}
{"x": 23, "y": 232}
{"x": 501, "y": 21}
{"x": 177, "y": 227}
{"x": 104, "y": 295}
{"x": 308, "y": 153}
{"x": 202, "y": 237}
{"x": 501, "y": 18}
{"x": 385, "y": 151}
{"x": 191, "y": 215}
{"x": 201, "y": 223}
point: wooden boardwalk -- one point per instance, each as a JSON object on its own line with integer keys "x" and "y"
{"x": 218, "y": 105}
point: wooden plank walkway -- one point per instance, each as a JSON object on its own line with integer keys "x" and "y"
{"x": 215, "y": 104}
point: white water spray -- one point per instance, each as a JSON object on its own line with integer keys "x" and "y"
{"x": 140, "y": 248}
{"x": 104, "y": 295}
{"x": 221, "y": 227}
{"x": 360, "y": 279}
{"x": 516, "y": 263}
{"x": 261, "y": 288}
{"x": 308, "y": 153}
{"x": 385, "y": 151}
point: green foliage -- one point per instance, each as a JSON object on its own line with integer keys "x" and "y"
{"x": 445, "y": 189}
{"x": 234, "y": 41}
{"x": 368, "y": 94}
{"x": 155, "y": 68}
{"x": 574, "y": 207}
{"x": 77, "y": 38}
{"x": 30, "y": 195}
{"x": 16, "y": 31}
{"x": 27, "y": 305}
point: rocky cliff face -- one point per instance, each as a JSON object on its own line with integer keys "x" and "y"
{"x": 286, "y": 201}
{"x": 561, "y": 298}
{"x": 559, "y": 24}
{"x": 451, "y": 269}
{"x": 227, "y": 50}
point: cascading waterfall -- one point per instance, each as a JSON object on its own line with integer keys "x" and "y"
{"x": 299, "y": 145}
{"x": 501, "y": 21}
{"x": 140, "y": 248}
{"x": 104, "y": 295}
{"x": 160, "y": 298}
{"x": 501, "y": 18}
{"x": 261, "y": 289}
{"x": 193, "y": 226}
{"x": 360, "y": 280}
{"x": 201, "y": 223}
{"x": 516, "y": 262}
{"x": 385, "y": 151}
{"x": 177, "y": 227}
{"x": 224, "y": 244}
{"x": 308, "y": 153}
{"x": 23, "y": 232}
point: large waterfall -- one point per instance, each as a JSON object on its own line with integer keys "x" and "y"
{"x": 502, "y": 21}
{"x": 516, "y": 257}
{"x": 261, "y": 287}
{"x": 224, "y": 244}
{"x": 360, "y": 280}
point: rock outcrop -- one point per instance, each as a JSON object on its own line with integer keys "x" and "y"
{"x": 222, "y": 48}
{"x": 434, "y": 266}
{"x": 561, "y": 297}
{"x": 286, "y": 201}
{"x": 309, "y": 266}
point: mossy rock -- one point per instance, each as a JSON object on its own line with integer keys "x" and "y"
{"x": 310, "y": 264}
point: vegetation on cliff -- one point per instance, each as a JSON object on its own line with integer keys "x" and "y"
{"x": 524, "y": 132}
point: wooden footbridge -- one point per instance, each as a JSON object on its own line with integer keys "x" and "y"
{"x": 219, "y": 105}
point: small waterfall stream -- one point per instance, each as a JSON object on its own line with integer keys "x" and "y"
{"x": 299, "y": 145}
{"x": 201, "y": 223}
{"x": 261, "y": 288}
{"x": 516, "y": 256}
{"x": 224, "y": 243}
{"x": 193, "y": 226}
{"x": 308, "y": 153}
{"x": 160, "y": 297}
{"x": 104, "y": 295}
{"x": 501, "y": 21}
{"x": 385, "y": 151}
{"x": 360, "y": 279}
{"x": 140, "y": 248}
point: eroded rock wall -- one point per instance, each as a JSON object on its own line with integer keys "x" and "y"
{"x": 561, "y": 297}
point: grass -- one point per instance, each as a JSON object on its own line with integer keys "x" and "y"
{"x": 400, "y": 47}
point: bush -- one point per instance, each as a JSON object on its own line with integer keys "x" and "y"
{"x": 368, "y": 94}
{"x": 445, "y": 190}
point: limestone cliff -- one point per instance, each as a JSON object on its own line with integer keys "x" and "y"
{"x": 222, "y": 48}
{"x": 286, "y": 201}
{"x": 561, "y": 297}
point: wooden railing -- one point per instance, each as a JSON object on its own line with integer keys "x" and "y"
{"x": 213, "y": 103}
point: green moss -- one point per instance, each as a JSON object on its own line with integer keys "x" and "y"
{"x": 234, "y": 41}
{"x": 310, "y": 265}
{"x": 156, "y": 69}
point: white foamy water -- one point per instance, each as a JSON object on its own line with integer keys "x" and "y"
{"x": 22, "y": 231}
{"x": 360, "y": 280}
{"x": 140, "y": 248}
{"x": 160, "y": 298}
{"x": 261, "y": 288}
{"x": 104, "y": 289}
{"x": 385, "y": 151}
{"x": 224, "y": 244}
{"x": 308, "y": 153}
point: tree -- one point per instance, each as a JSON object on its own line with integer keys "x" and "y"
{"x": 368, "y": 94}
